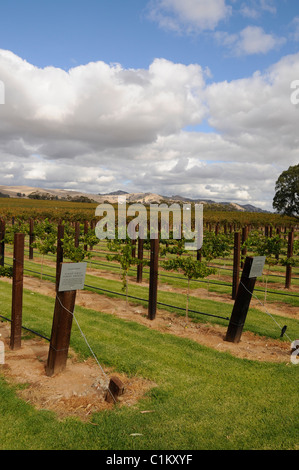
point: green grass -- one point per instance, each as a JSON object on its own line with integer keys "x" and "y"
{"x": 258, "y": 321}
{"x": 203, "y": 400}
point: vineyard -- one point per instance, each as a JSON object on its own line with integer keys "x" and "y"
{"x": 142, "y": 296}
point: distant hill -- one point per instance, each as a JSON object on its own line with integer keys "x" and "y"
{"x": 112, "y": 197}
{"x": 114, "y": 193}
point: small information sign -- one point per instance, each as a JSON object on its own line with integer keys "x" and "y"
{"x": 257, "y": 266}
{"x": 72, "y": 276}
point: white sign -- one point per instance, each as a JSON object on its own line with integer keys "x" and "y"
{"x": 2, "y": 353}
{"x": 72, "y": 276}
{"x": 257, "y": 266}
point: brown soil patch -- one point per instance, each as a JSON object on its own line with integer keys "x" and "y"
{"x": 77, "y": 391}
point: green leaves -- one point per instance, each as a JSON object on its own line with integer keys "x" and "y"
{"x": 286, "y": 199}
{"x": 215, "y": 246}
{"x": 10, "y": 230}
{"x": 190, "y": 267}
{"x": 45, "y": 234}
{"x": 6, "y": 271}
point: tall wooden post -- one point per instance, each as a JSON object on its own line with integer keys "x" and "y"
{"x": 77, "y": 234}
{"x": 289, "y": 255}
{"x": 61, "y": 332}
{"x": 59, "y": 253}
{"x": 133, "y": 248}
{"x": 244, "y": 238}
{"x": 140, "y": 258}
{"x": 31, "y": 238}
{"x": 17, "y": 291}
{"x": 85, "y": 233}
{"x": 242, "y": 302}
{"x": 2, "y": 244}
{"x": 236, "y": 265}
{"x": 153, "y": 283}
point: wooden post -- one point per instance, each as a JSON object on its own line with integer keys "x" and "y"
{"x": 289, "y": 255}
{"x": 17, "y": 291}
{"x": 140, "y": 257}
{"x": 59, "y": 253}
{"x": 277, "y": 233}
{"x": 31, "y": 238}
{"x": 115, "y": 389}
{"x": 153, "y": 283}
{"x": 199, "y": 254}
{"x": 133, "y": 248}
{"x": 2, "y": 243}
{"x": 244, "y": 238}
{"x": 236, "y": 266}
{"x": 77, "y": 234}
{"x": 241, "y": 305}
{"x": 85, "y": 233}
{"x": 61, "y": 332}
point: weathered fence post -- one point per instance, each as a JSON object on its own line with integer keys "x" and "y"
{"x": 153, "y": 282}
{"x": 140, "y": 258}
{"x": 242, "y": 303}
{"x": 31, "y": 238}
{"x": 71, "y": 278}
{"x": 85, "y": 233}
{"x": 59, "y": 253}
{"x": 2, "y": 243}
{"x": 17, "y": 291}
{"x": 289, "y": 255}
{"x": 244, "y": 238}
{"x": 61, "y": 332}
{"x": 77, "y": 234}
{"x": 236, "y": 265}
{"x": 133, "y": 248}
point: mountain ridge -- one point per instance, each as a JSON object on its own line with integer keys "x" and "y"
{"x": 112, "y": 197}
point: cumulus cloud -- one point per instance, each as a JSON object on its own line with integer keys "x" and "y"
{"x": 102, "y": 105}
{"x": 189, "y": 15}
{"x": 100, "y": 127}
{"x": 251, "y": 40}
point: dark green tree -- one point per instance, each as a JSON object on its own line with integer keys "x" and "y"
{"x": 286, "y": 199}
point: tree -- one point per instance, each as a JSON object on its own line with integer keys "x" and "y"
{"x": 286, "y": 199}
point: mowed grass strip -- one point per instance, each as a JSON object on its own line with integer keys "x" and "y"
{"x": 203, "y": 399}
{"x": 258, "y": 321}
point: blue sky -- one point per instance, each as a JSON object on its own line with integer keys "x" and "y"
{"x": 223, "y": 115}
{"x": 65, "y": 33}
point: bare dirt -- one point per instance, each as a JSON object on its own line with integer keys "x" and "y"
{"x": 80, "y": 389}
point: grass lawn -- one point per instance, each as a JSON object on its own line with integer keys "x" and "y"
{"x": 204, "y": 399}
{"x": 258, "y": 321}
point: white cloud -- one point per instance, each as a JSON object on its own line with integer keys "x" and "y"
{"x": 189, "y": 15}
{"x": 102, "y": 105}
{"x": 99, "y": 128}
{"x": 251, "y": 40}
{"x": 255, "y": 8}
{"x": 295, "y": 26}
